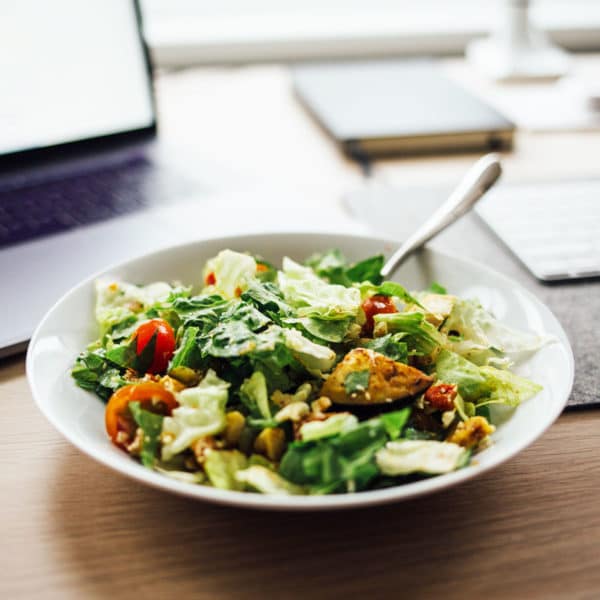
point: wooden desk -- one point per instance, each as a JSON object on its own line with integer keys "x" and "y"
{"x": 72, "y": 529}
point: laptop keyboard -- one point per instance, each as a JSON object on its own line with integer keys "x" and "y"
{"x": 42, "y": 208}
{"x": 553, "y": 228}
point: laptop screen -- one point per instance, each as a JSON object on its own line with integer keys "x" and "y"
{"x": 70, "y": 70}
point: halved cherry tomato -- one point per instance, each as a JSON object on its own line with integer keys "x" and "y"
{"x": 375, "y": 305}
{"x": 120, "y": 424}
{"x": 165, "y": 343}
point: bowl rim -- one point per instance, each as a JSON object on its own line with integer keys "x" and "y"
{"x": 284, "y": 502}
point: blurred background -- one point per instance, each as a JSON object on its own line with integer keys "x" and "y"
{"x": 184, "y": 32}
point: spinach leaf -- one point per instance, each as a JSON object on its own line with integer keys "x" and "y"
{"x": 93, "y": 373}
{"x": 188, "y": 354}
{"x": 330, "y": 265}
{"x": 151, "y": 425}
{"x": 367, "y": 270}
{"x": 344, "y": 462}
{"x": 267, "y": 298}
{"x": 390, "y": 345}
{"x": 333, "y": 266}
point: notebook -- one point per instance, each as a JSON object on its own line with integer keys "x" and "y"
{"x": 387, "y": 107}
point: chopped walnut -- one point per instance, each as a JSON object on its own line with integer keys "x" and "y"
{"x": 320, "y": 405}
{"x": 135, "y": 447}
{"x": 201, "y": 446}
{"x": 295, "y": 411}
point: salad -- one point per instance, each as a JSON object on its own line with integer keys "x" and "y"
{"x": 316, "y": 378}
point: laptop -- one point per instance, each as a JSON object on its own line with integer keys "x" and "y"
{"x": 82, "y": 178}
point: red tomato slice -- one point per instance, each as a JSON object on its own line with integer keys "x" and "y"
{"x": 376, "y": 305}
{"x": 165, "y": 343}
{"x": 120, "y": 424}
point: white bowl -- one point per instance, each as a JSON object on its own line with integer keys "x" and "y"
{"x": 69, "y": 326}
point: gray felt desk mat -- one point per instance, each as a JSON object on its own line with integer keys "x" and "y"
{"x": 576, "y": 304}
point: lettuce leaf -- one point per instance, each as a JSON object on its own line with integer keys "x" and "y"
{"x": 221, "y": 467}
{"x": 201, "y": 412}
{"x": 421, "y": 456}
{"x": 389, "y": 288}
{"x": 333, "y": 425}
{"x": 420, "y": 336}
{"x": 507, "y": 388}
{"x": 118, "y": 303}
{"x": 483, "y": 385}
{"x": 484, "y": 340}
{"x": 255, "y": 396}
{"x": 313, "y": 297}
{"x": 262, "y": 479}
{"x": 232, "y": 272}
{"x": 329, "y": 331}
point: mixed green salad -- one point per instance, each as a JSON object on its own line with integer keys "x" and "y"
{"x": 318, "y": 378}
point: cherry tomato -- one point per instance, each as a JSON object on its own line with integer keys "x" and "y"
{"x": 375, "y": 305}
{"x": 120, "y": 424}
{"x": 165, "y": 343}
{"x": 210, "y": 279}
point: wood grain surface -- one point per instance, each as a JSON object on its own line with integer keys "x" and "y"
{"x": 73, "y": 529}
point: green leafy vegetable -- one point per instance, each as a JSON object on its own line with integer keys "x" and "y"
{"x": 92, "y": 372}
{"x": 332, "y": 266}
{"x": 484, "y": 340}
{"x": 333, "y": 425}
{"x": 329, "y": 331}
{"x": 313, "y": 297}
{"x": 357, "y": 381}
{"x": 436, "y": 288}
{"x": 254, "y": 394}
{"x": 232, "y": 273}
{"x": 221, "y": 467}
{"x": 484, "y": 385}
{"x": 151, "y": 426}
{"x": 201, "y": 412}
{"x": 344, "y": 462}
{"x": 390, "y": 345}
{"x": 188, "y": 354}
{"x": 389, "y": 288}
{"x": 419, "y": 335}
{"x": 421, "y": 456}
{"x": 367, "y": 270}
{"x": 264, "y": 480}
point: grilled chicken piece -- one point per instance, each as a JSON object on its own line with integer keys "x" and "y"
{"x": 388, "y": 380}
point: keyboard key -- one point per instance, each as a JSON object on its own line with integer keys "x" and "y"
{"x": 55, "y": 205}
